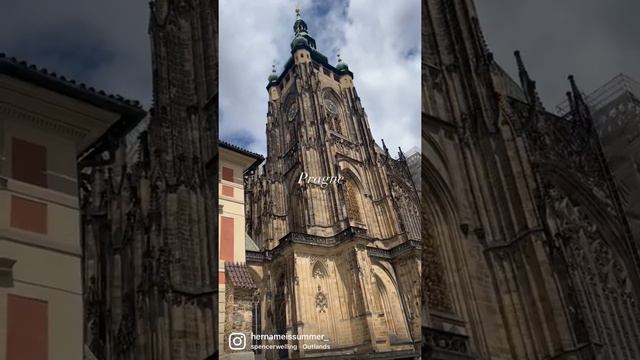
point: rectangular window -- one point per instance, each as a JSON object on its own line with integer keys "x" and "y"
{"x": 28, "y": 215}
{"x": 226, "y": 238}
{"x": 227, "y": 174}
{"x": 227, "y": 190}
{"x": 29, "y": 162}
{"x": 27, "y": 328}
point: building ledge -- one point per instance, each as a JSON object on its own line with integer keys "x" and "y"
{"x": 38, "y": 240}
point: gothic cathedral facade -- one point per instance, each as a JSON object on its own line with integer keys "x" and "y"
{"x": 343, "y": 260}
{"x": 527, "y": 253}
{"x": 148, "y": 202}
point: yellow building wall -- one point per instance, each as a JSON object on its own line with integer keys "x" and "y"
{"x": 47, "y": 265}
{"x": 233, "y": 207}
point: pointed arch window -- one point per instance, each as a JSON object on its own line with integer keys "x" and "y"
{"x": 388, "y": 304}
{"x": 385, "y": 306}
{"x": 351, "y": 197}
{"x": 280, "y": 321}
{"x": 297, "y": 213}
{"x": 319, "y": 275}
{"x": 321, "y": 292}
{"x": 288, "y": 125}
{"x": 292, "y": 112}
{"x": 332, "y": 108}
{"x": 319, "y": 271}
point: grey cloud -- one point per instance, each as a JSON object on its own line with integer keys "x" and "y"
{"x": 105, "y": 44}
{"x": 102, "y": 43}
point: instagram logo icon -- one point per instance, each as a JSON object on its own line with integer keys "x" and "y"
{"x": 237, "y": 341}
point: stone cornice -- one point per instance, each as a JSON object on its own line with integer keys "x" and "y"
{"x": 395, "y": 252}
{"x": 42, "y": 122}
{"x": 331, "y": 241}
{"x": 306, "y": 239}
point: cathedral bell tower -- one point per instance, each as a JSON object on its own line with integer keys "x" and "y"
{"x": 341, "y": 258}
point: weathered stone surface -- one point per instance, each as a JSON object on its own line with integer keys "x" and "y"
{"x": 526, "y": 251}
{"x": 343, "y": 260}
{"x": 149, "y": 213}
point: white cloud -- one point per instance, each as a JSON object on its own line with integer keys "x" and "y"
{"x": 380, "y": 40}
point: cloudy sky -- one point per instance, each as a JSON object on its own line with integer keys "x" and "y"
{"x": 101, "y": 43}
{"x": 105, "y": 44}
{"x": 379, "y": 39}
{"x": 594, "y": 40}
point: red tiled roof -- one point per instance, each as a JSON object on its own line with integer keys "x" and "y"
{"x": 238, "y": 275}
{"x": 236, "y": 148}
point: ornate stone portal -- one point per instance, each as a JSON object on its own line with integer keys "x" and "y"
{"x": 341, "y": 261}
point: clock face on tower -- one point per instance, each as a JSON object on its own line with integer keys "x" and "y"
{"x": 331, "y": 106}
{"x": 291, "y": 114}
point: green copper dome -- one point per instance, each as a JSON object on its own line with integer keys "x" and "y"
{"x": 299, "y": 41}
{"x": 299, "y": 26}
{"x": 273, "y": 77}
{"x": 302, "y": 37}
{"x": 342, "y": 66}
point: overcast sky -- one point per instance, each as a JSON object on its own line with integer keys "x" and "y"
{"x": 102, "y": 43}
{"x": 105, "y": 44}
{"x": 594, "y": 40}
{"x": 379, "y": 39}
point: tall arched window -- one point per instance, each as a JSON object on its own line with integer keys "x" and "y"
{"x": 319, "y": 275}
{"x": 280, "y": 303}
{"x": 409, "y": 212}
{"x": 297, "y": 212}
{"x": 352, "y": 200}
{"x": 289, "y": 125}
{"x": 336, "y": 115}
{"x": 388, "y": 304}
{"x": 385, "y": 306}
{"x": 322, "y": 297}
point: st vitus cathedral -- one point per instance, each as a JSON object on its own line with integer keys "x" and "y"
{"x": 341, "y": 261}
{"x": 523, "y": 251}
{"x": 149, "y": 216}
{"x": 527, "y": 253}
